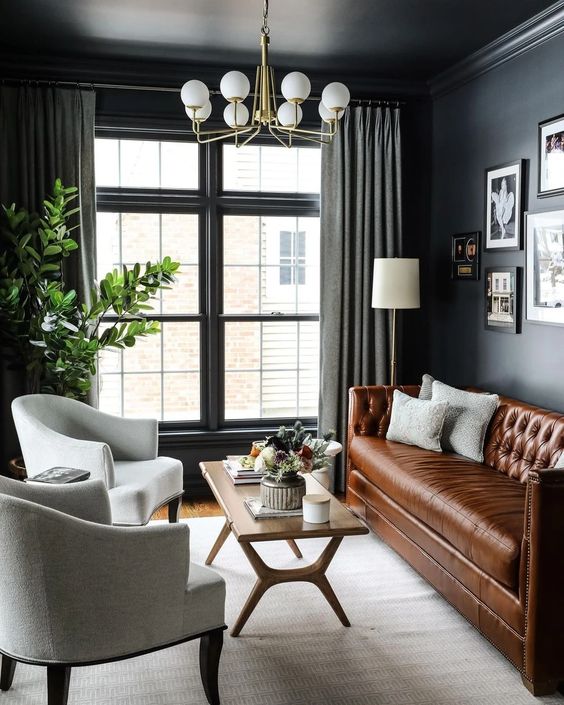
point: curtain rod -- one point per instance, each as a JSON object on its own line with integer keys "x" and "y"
{"x": 168, "y": 89}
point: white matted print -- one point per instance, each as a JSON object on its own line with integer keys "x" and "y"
{"x": 545, "y": 267}
{"x": 504, "y": 206}
{"x": 551, "y": 156}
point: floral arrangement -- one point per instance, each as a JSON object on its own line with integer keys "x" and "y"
{"x": 290, "y": 451}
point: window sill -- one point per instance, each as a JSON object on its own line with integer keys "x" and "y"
{"x": 174, "y": 438}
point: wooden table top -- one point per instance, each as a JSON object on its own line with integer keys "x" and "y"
{"x": 342, "y": 522}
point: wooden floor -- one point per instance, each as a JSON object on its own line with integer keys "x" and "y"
{"x": 193, "y": 508}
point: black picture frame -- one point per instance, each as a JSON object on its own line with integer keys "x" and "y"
{"x": 496, "y": 226}
{"x": 553, "y": 130}
{"x": 544, "y": 282}
{"x": 465, "y": 256}
{"x": 503, "y": 299}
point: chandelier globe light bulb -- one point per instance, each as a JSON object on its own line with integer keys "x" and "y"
{"x": 335, "y": 96}
{"x": 328, "y": 115}
{"x": 289, "y": 114}
{"x": 235, "y": 86}
{"x": 195, "y": 94}
{"x": 242, "y": 117}
{"x": 201, "y": 114}
{"x": 295, "y": 87}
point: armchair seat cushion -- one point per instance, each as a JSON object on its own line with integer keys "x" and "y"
{"x": 204, "y": 600}
{"x": 477, "y": 509}
{"x": 143, "y": 485}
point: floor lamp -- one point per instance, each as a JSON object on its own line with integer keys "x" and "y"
{"x": 395, "y": 285}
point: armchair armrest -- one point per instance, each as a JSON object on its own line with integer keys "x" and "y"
{"x": 542, "y": 574}
{"x": 93, "y": 591}
{"x": 86, "y": 500}
{"x": 44, "y": 448}
{"x": 128, "y": 439}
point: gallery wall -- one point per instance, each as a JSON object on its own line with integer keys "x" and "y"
{"x": 488, "y": 121}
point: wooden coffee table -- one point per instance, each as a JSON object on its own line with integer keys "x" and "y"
{"x": 248, "y": 530}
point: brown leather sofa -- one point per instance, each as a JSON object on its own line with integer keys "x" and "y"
{"x": 489, "y": 538}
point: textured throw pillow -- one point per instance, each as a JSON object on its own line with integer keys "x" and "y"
{"x": 416, "y": 422}
{"x": 426, "y": 391}
{"x": 560, "y": 462}
{"x": 467, "y": 419}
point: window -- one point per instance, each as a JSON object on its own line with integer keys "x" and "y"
{"x": 240, "y": 329}
{"x": 292, "y": 257}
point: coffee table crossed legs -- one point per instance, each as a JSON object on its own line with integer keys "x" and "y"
{"x": 267, "y": 576}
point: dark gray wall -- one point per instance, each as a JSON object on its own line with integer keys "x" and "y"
{"x": 491, "y": 120}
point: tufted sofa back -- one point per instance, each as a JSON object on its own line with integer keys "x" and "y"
{"x": 522, "y": 437}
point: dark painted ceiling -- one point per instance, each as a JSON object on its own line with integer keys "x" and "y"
{"x": 409, "y": 39}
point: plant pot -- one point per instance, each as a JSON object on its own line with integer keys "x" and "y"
{"x": 284, "y": 494}
{"x": 16, "y": 467}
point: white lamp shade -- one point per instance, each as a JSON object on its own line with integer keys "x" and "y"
{"x": 395, "y": 283}
{"x": 335, "y": 96}
{"x": 289, "y": 114}
{"x": 242, "y": 115}
{"x": 234, "y": 86}
{"x": 201, "y": 114}
{"x": 327, "y": 114}
{"x": 195, "y": 94}
{"x": 295, "y": 87}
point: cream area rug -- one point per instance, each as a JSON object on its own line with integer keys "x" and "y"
{"x": 406, "y": 645}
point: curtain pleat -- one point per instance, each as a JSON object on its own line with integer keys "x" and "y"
{"x": 47, "y": 132}
{"x": 361, "y": 218}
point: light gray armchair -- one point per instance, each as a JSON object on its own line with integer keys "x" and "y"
{"x": 55, "y": 431}
{"x": 77, "y": 591}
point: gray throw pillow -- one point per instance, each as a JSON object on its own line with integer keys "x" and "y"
{"x": 560, "y": 462}
{"x": 467, "y": 419}
{"x": 416, "y": 422}
{"x": 426, "y": 391}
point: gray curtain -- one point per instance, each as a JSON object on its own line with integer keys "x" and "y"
{"x": 361, "y": 218}
{"x": 47, "y": 132}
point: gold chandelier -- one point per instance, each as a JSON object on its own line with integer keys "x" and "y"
{"x": 281, "y": 122}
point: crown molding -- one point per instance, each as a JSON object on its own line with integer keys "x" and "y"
{"x": 530, "y": 34}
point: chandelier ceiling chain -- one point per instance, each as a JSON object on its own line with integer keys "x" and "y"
{"x": 265, "y": 28}
{"x": 281, "y": 122}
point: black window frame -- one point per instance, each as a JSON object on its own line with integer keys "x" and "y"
{"x": 211, "y": 203}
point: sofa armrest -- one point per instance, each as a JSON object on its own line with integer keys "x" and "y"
{"x": 543, "y": 575}
{"x": 370, "y": 409}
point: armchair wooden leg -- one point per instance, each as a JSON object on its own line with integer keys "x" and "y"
{"x": 58, "y": 679}
{"x": 8, "y": 669}
{"x": 174, "y": 507}
{"x": 210, "y": 651}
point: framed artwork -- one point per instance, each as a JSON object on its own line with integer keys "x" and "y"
{"x": 545, "y": 267}
{"x": 551, "y": 156}
{"x": 503, "y": 299}
{"x": 466, "y": 256}
{"x": 504, "y": 206}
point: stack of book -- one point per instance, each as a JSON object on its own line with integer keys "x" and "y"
{"x": 238, "y": 474}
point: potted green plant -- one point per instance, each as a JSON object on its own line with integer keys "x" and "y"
{"x": 44, "y": 328}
